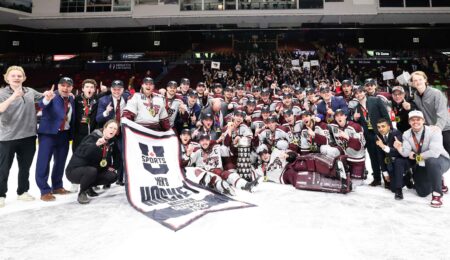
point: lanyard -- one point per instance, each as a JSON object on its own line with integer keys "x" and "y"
{"x": 419, "y": 144}
{"x": 86, "y": 105}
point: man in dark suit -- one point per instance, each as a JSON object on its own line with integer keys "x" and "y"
{"x": 393, "y": 165}
{"x": 54, "y": 133}
{"x": 367, "y": 113}
{"x": 329, "y": 105}
{"x": 112, "y": 107}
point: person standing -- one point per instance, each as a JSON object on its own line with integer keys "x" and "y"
{"x": 113, "y": 107}
{"x": 433, "y": 105}
{"x": 85, "y": 112}
{"x": 54, "y": 133}
{"x": 367, "y": 113}
{"x": 17, "y": 131}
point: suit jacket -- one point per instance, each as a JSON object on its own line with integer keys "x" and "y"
{"x": 393, "y": 153}
{"x": 336, "y": 103}
{"x": 53, "y": 115}
{"x": 102, "y": 104}
{"x": 376, "y": 110}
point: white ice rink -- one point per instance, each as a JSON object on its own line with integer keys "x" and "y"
{"x": 286, "y": 224}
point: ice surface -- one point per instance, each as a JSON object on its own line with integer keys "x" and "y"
{"x": 287, "y": 224}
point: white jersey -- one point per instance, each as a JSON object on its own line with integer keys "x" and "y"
{"x": 274, "y": 169}
{"x": 173, "y": 108}
{"x": 354, "y": 147}
{"x": 148, "y": 111}
{"x": 208, "y": 160}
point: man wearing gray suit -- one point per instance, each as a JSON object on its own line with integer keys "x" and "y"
{"x": 423, "y": 144}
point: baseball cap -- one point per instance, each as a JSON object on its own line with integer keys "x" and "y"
{"x": 347, "y": 82}
{"x": 204, "y": 136}
{"x": 288, "y": 112}
{"x": 370, "y": 81}
{"x": 66, "y": 80}
{"x": 287, "y": 95}
{"x": 265, "y": 109}
{"x": 185, "y": 81}
{"x": 171, "y": 84}
{"x": 185, "y": 131}
{"x": 339, "y": 111}
{"x": 357, "y": 88}
{"x": 415, "y": 113}
{"x": 272, "y": 119}
{"x": 117, "y": 84}
{"x": 207, "y": 116}
{"x": 399, "y": 88}
{"x": 148, "y": 80}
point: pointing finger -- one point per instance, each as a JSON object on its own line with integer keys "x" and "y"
{"x": 53, "y": 88}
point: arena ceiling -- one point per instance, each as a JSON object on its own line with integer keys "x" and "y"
{"x": 256, "y": 20}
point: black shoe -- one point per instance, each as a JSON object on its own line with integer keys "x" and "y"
{"x": 91, "y": 192}
{"x": 398, "y": 194}
{"x": 105, "y": 187}
{"x": 375, "y": 183}
{"x": 83, "y": 198}
{"x": 409, "y": 183}
{"x": 120, "y": 183}
{"x": 387, "y": 185}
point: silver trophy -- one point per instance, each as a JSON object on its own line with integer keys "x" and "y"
{"x": 244, "y": 165}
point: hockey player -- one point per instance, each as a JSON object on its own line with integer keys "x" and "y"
{"x": 272, "y": 134}
{"x": 208, "y": 158}
{"x": 349, "y": 139}
{"x": 148, "y": 109}
{"x": 313, "y": 134}
{"x": 174, "y": 103}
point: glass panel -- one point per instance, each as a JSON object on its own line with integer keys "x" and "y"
{"x": 146, "y": 2}
{"x": 391, "y": 3}
{"x": 71, "y": 6}
{"x": 99, "y": 5}
{"x": 310, "y": 4}
{"x": 440, "y": 3}
{"x": 122, "y": 5}
{"x": 191, "y": 5}
{"x": 417, "y": 3}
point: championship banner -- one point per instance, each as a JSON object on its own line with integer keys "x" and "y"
{"x": 155, "y": 183}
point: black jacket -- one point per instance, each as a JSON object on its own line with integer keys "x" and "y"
{"x": 402, "y": 115}
{"x": 376, "y": 110}
{"x": 83, "y": 128}
{"x": 89, "y": 154}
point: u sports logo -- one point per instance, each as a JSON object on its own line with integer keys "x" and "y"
{"x": 154, "y": 161}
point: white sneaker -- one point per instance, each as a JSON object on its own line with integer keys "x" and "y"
{"x": 25, "y": 197}
{"x": 74, "y": 188}
{"x": 2, "y": 202}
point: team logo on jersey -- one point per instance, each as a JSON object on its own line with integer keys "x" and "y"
{"x": 153, "y": 159}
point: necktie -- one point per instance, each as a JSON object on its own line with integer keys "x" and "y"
{"x": 118, "y": 111}
{"x": 385, "y": 138}
{"x": 66, "y": 108}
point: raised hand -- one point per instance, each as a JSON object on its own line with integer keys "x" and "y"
{"x": 379, "y": 142}
{"x": 18, "y": 92}
{"x": 103, "y": 88}
{"x": 406, "y": 105}
{"x": 101, "y": 141}
{"x": 50, "y": 94}
{"x": 397, "y": 144}
{"x": 109, "y": 108}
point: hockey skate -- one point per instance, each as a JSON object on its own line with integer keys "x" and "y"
{"x": 251, "y": 185}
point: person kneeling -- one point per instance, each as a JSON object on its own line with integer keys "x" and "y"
{"x": 90, "y": 164}
{"x": 424, "y": 145}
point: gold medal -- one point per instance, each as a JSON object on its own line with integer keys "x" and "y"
{"x": 151, "y": 112}
{"x": 313, "y": 148}
{"x": 369, "y": 125}
{"x": 103, "y": 163}
{"x": 397, "y": 119}
{"x": 329, "y": 120}
{"x": 419, "y": 158}
{"x": 387, "y": 160}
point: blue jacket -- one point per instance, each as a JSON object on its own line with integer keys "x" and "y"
{"x": 102, "y": 104}
{"x": 53, "y": 115}
{"x": 336, "y": 103}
